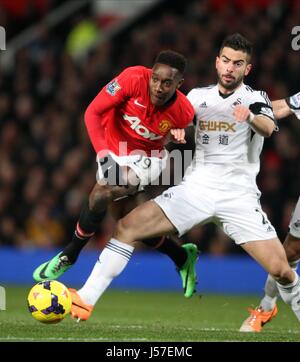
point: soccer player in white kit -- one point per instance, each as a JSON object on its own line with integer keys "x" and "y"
{"x": 219, "y": 186}
{"x": 267, "y": 308}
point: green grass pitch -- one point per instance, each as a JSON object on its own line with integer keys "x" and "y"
{"x": 148, "y": 316}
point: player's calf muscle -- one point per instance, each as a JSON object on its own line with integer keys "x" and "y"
{"x": 124, "y": 231}
{"x": 143, "y": 222}
{"x": 128, "y": 230}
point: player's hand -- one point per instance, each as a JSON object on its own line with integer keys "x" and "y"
{"x": 241, "y": 113}
{"x": 178, "y": 135}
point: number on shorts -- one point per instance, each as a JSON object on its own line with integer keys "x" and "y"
{"x": 144, "y": 162}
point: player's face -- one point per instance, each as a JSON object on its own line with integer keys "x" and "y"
{"x": 163, "y": 83}
{"x": 232, "y": 66}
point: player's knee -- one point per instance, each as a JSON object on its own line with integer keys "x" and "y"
{"x": 99, "y": 198}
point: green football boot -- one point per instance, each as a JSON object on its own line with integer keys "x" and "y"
{"x": 52, "y": 269}
{"x": 188, "y": 271}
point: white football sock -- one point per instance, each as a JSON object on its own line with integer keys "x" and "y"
{"x": 110, "y": 264}
{"x": 271, "y": 291}
{"x": 271, "y": 294}
{"x": 290, "y": 293}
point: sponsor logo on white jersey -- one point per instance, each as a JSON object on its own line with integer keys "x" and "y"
{"x": 135, "y": 124}
{"x": 217, "y": 126}
{"x": 236, "y": 103}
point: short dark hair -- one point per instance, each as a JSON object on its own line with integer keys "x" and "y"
{"x": 173, "y": 59}
{"x": 238, "y": 42}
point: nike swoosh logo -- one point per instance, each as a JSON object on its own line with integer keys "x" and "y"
{"x": 139, "y": 104}
{"x": 42, "y": 272}
{"x": 79, "y": 306}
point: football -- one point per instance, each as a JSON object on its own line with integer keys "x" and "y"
{"x": 49, "y": 301}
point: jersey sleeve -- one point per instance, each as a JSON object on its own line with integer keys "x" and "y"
{"x": 193, "y": 98}
{"x": 112, "y": 95}
{"x": 294, "y": 103}
{"x": 188, "y": 114}
{"x": 261, "y": 105}
{"x": 116, "y": 91}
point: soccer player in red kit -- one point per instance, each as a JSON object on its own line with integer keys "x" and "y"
{"x": 128, "y": 123}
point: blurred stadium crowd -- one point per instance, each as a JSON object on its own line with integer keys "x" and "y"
{"x": 47, "y": 165}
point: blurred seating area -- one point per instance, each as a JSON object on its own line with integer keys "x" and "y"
{"x": 18, "y": 15}
{"x": 47, "y": 165}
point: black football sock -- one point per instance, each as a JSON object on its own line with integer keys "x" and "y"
{"x": 88, "y": 223}
{"x": 167, "y": 246}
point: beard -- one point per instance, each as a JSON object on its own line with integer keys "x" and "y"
{"x": 232, "y": 85}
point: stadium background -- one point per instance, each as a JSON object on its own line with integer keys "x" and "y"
{"x": 52, "y": 68}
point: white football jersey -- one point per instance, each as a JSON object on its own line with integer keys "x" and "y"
{"x": 219, "y": 137}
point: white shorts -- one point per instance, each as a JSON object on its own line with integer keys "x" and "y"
{"x": 146, "y": 168}
{"x": 236, "y": 210}
{"x": 295, "y": 221}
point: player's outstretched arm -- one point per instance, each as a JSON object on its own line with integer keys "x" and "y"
{"x": 259, "y": 123}
{"x": 285, "y": 107}
{"x": 281, "y": 108}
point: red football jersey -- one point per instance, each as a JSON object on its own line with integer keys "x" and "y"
{"x": 123, "y": 112}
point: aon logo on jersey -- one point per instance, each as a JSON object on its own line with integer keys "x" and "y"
{"x": 141, "y": 130}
